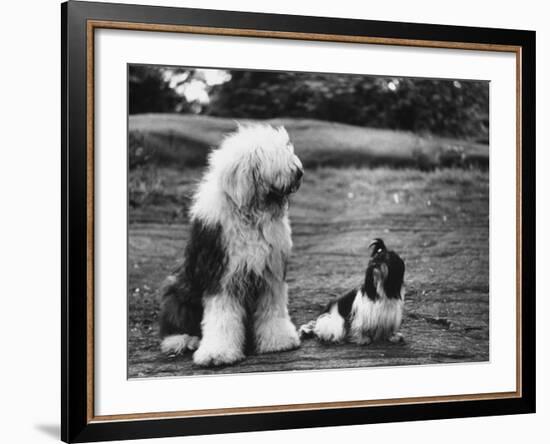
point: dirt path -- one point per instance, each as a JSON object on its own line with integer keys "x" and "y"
{"x": 437, "y": 221}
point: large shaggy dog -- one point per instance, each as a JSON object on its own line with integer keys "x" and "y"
{"x": 230, "y": 296}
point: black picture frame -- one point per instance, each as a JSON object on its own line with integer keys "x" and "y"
{"x": 77, "y": 425}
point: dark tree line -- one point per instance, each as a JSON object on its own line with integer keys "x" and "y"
{"x": 444, "y": 107}
{"x": 149, "y": 91}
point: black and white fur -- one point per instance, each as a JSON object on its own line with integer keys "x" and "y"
{"x": 371, "y": 312}
{"x": 230, "y": 296}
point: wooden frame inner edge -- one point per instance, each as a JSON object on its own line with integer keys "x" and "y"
{"x": 91, "y": 25}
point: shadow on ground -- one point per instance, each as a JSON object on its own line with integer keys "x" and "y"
{"x": 51, "y": 430}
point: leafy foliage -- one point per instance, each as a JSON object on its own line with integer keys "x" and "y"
{"x": 150, "y": 91}
{"x": 444, "y": 107}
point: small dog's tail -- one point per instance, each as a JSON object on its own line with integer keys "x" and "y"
{"x": 307, "y": 331}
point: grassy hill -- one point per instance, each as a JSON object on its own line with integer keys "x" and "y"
{"x": 184, "y": 141}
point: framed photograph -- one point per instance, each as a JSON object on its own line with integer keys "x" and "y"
{"x": 276, "y": 221}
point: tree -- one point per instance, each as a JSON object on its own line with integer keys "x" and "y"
{"x": 445, "y": 107}
{"x": 149, "y": 91}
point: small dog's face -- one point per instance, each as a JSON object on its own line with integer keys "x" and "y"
{"x": 385, "y": 272}
{"x": 379, "y": 264}
{"x": 260, "y": 166}
{"x": 379, "y": 273}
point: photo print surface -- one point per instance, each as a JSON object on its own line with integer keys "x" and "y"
{"x": 282, "y": 221}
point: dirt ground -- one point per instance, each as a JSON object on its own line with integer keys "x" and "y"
{"x": 437, "y": 221}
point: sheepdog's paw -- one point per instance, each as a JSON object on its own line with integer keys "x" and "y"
{"x": 176, "y": 344}
{"x": 396, "y": 338}
{"x": 280, "y": 336}
{"x": 209, "y": 357}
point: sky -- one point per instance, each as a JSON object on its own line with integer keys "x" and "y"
{"x": 197, "y": 88}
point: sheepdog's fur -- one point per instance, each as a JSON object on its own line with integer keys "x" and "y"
{"x": 369, "y": 313}
{"x": 229, "y": 297}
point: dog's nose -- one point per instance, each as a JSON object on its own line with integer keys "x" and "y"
{"x": 299, "y": 173}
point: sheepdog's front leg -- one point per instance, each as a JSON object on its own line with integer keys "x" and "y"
{"x": 274, "y": 331}
{"x": 223, "y": 331}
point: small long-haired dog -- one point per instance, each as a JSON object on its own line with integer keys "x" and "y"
{"x": 371, "y": 312}
{"x": 230, "y": 296}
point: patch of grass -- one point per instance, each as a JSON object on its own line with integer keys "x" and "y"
{"x": 185, "y": 140}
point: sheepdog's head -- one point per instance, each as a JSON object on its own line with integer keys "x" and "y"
{"x": 256, "y": 166}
